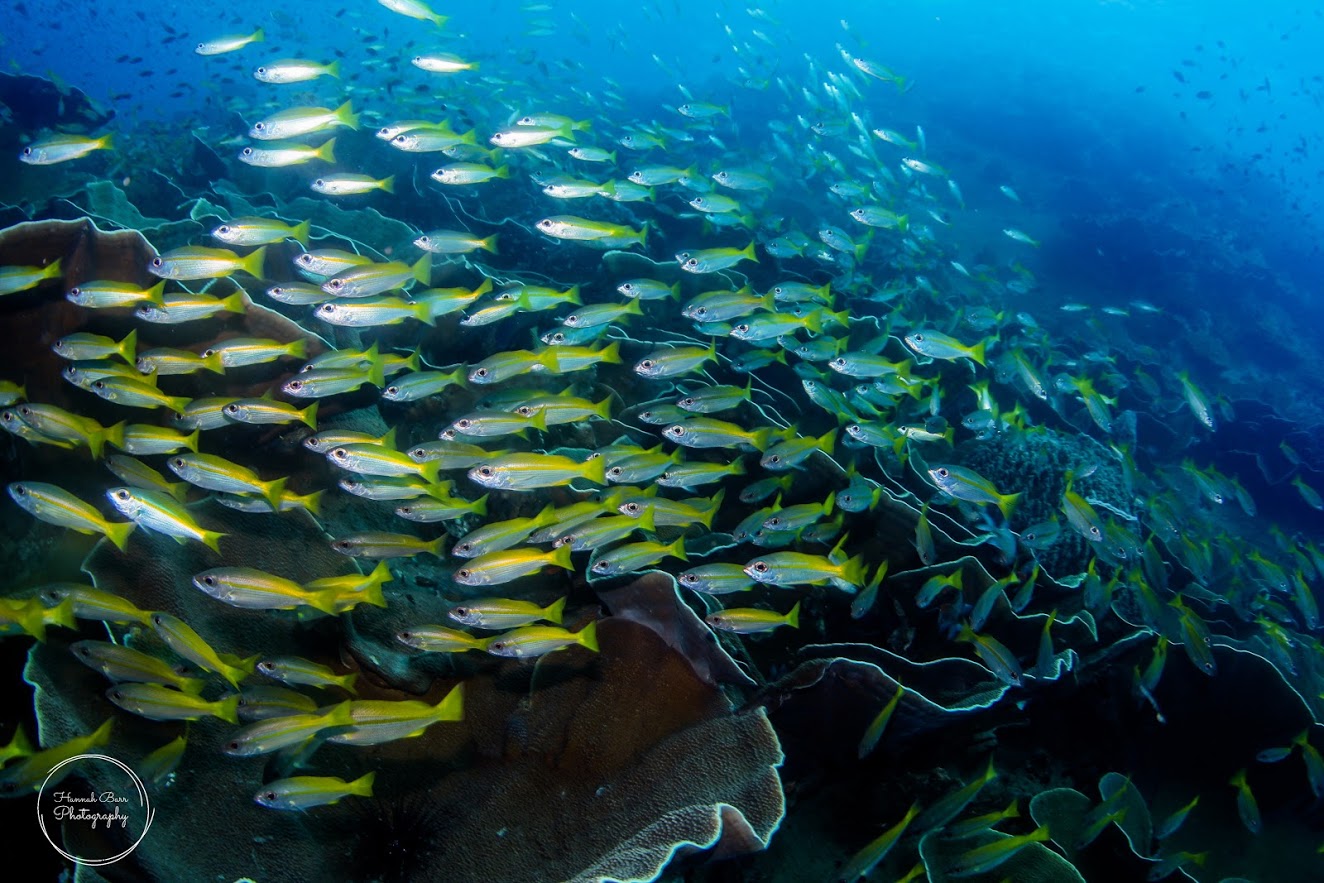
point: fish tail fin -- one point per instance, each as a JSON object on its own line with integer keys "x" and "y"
{"x": 106, "y": 141}
{"x": 502, "y": 171}
{"x": 127, "y": 347}
{"x": 748, "y": 251}
{"x": 479, "y": 506}
{"x": 273, "y": 490}
{"x": 430, "y": 470}
{"x": 1007, "y": 502}
{"x": 298, "y": 349}
{"x": 177, "y": 403}
{"x": 61, "y": 614}
{"x": 555, "y": 611}
{"x": 612, "y": 354}
{"x": 309, "y": 416}
{"x": 154, "y": 294}
{"x": 347, "y": 683}
{"x": 793, "y": 617}
{"x": 362, "y": 786}
{"x": 977, "y": 351}
{"x": 114, "y": 435}
{"x": 212, "y": 540}
{"x": 346, "y": 116}
{"x": 333, "y": 69}
{"x": 677, "y": 549}
{"x": 192, "y": 686}
{"x": 191, "y": 440}
{"x": 326, "y": 153}
{"x": 258, "y": 36}
{"x": 227, "y": 709}
{"x": 561, "y": 557}
{"x": 387, "y": 184}
{"x": 489, "y": 245}
{"x": 423, "y": 269}
{"x": 595, "y": 470}
{"x": 588, "y": 636}
{"x": 451, "y": 706}
{"x": 372, "y": 592}
{"x": 252, "y": 264}
{"x": 118, "y": 532}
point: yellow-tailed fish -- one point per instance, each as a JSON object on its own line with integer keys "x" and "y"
{"x": 196, "y": 262}
{"x": 380, "y": 544}
{"x": 228, "y": 43}
{"x": 28, "y": 774}
{"x": 440, "y": 639}
{"x": 89, "y": 602}
{"x": 297, "y": 121}
{"x": 874, "y": 732}
{"x": 160, "y": 513}
{"x": 295, "y": 70}
{"x": 125, "y": 664}
{"x": 352, "y": 184}
{"x": 538, "y": 640}
{"x": 180, "y": 637}
{"x": 530, "y": 471}
{"x": 280, "y": 157}
{"x": 261, "y": 231}
{"x": 868, "y": 858}
{"x": 101, "y": 295}
{"x": 54, "y": 505}
{"x": 305, "y": 792}
{"x": 748, "y": 620}
{"x": 984, "y": 858}
{"x": 295, "y": 671}
{"x": 378, "y": 721}
{"x": 159, "y": 703}
{"x": 61, "y": 148}
{"x": 273, "y": 734}
{"x": 253, "y": 589}
{"x": 495, "y": 568}
{"x": 505, "y": 613}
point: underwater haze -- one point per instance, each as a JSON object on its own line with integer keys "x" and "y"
{"x": 579, "y": 441}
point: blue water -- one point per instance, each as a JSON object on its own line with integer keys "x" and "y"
{"x": 1161, "y": 153}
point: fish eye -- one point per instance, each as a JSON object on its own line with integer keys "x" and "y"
{"x": 232, "y": 745}
{"x": 340, "y": 453}
{"x": 499, "y": 646}
{"x": 1094, "y": 531}
{"x": 481, "y": 372}
{"x": 689, "y": 578}
{"x": 99, "y": 384}
{"x": 701, "y": 311}
{"x": 27, "y": 151}
{"x": 269, "y": 795}
{"x": 463, "y": 574}
{"x": 265, "y": 665}
{"x": 122, "y": 495}
{"x": 336, "y": 283}
{"x": 225, "y": 228}
{"x": 295, "y": 385}
{"x": 943, "y": 472}
{"x": 463, "y": 423}
{"x": 156, "y": 619}
{"x": 684, "y": 402}
{"x": 743, "y": 328}
{"x": 692, "y": 262}
{"x": 485, "y": 470}
{"x": 342, "y": 545}
{"x": 260, "y": 126}
{"x": 74, "y": 292}
{"x": 919, "y": 338}
{"x": 775, "y": 458}
{"x": 179, "y": 461}
{"x": 615, "y": 472}
{"x": 545, "y": 223}
{"x": 319, "y": 183}
{"x": 20, "y": 490}
{"x": 392, "y": 390}
{"x": 262, "y": 70}
{"x": 760, "y": 566}
{"x": 231, "y": 409}
{"x": 156, "y": 262}
{"x": 209, "y": 580}
{"x": 631, "y": 507}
